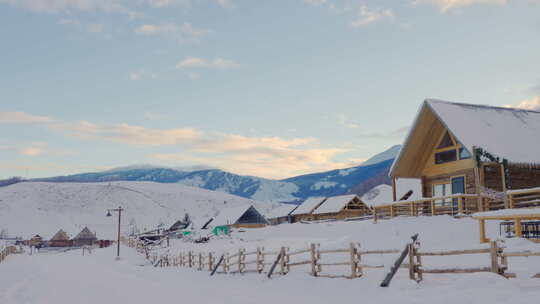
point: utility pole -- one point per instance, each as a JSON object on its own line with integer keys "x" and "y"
{"x": 119, "y": 210}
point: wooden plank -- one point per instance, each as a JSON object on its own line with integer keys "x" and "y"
{"x": 457, "y": 270}
{"x": 271, "y": 271}
{"x": 453, "y": 252}
{"x": 336, "y": 264}
{"x": 299, "y": 252}
{"x": 299, "y": 263}
{"x": 379, "y": 251}
{"x": 334, "y": 251}
{"x": 520, "y": 254}
{"x": 217, "y": 265}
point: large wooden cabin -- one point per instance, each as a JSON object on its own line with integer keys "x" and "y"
{"x": 457, "y": 148}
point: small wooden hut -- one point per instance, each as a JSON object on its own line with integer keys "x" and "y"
{"x": 245, "y": 216}
{"x": 342, "y": 207}
{"x": 281, "y": 214}
{"x": 305, "y": 210}
{"x": 36, "y": 240}
{"x": 60, "y": 239}
{"x": 85, "y": 237}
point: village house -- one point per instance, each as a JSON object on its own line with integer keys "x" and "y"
{"x": 245, "y": 216}
{"x": 60, "y": 239}
{"x": 85, "y": 237}
{"x": 482, "y": 152}
{"x": 341, "y": 207}
{"x": 305, "y": 210}
{"x": 281, "y": 214}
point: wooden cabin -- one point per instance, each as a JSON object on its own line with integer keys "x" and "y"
{"x": 281, "y": 214}
{"x": 245, "y": 216}
{"x": 60, "y": 239}
{"x": 305, "y": 210}
{"x": 341, "y": 207}
{"x": 36, "y": 240}
{"x": 457, "y": 148}
{"x": 85, "y": 238}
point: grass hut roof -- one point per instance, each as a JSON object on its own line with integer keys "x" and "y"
{"x": 85, "y": 234}
{"x": 61, "y": 235}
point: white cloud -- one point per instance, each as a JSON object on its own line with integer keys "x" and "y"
{"x": 527, "y": 104}
{"x": 196, "y": 62}
{"x": 182, "y": 32}
{"x": 31, "y": 151}
{"x": 224, "y": 3}
{"x": 22, "y": 118}
{"x": 367, "y": 16}
{"x": 315, "y": 2}
{"x": 141, "y": 74}
{"x": 264, "y": 156}
{"x": 57, "y": 6}
{"x": 446, "y": 5}
{"x": 95, "y": 28}
{"x": 344, "y": 121}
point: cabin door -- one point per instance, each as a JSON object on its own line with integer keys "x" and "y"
{"x": 458, "y": 187}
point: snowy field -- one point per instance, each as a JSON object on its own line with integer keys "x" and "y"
{"x": 70, "y": 277}
{"x": 43, "y": 208}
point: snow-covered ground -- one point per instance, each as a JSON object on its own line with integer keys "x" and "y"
{"x": 43, "y": 208}
{"x": 70, "y": 277}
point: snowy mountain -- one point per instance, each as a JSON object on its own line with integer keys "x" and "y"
{"x": 28, "y": 208}
{"x": 357, "y": 179}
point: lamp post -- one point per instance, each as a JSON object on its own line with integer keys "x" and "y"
{"x": 119, "y": 210}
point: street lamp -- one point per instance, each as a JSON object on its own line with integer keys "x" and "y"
{"x": 119, "y": 210}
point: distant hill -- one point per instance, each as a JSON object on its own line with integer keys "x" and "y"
{"x": 359, "y": 179}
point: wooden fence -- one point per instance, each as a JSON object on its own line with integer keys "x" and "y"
{"x": 259, "y": 260}
{"x": 498, "y": 261}
{"x": 7, "y": 251}
{"x": 459, "y": 204}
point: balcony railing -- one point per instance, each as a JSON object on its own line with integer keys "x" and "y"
{"x": 459, "y": 204}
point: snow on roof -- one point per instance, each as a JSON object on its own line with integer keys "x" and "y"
{"x": 508, "y": 212}
{"x": 505, "y": 132}
{"x": 382, "y": 194}
{"x": 280, "y": 211}
{"x": 229, "y": 216}
{"x": 308, "y": 205}
{"x": 334, "y": 204}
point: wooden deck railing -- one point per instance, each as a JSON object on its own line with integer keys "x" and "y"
{"x": 459, "y": 204}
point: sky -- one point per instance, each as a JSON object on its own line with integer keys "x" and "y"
{"x": 265, "y": 88}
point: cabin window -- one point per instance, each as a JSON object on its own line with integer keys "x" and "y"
{"x": 445, "y": 156}
{"x": 446, "y": 141}
{"x": 464, "y": 153}
{"x": 442, "y": 190}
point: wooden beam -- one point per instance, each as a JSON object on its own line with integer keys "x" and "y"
{"x": 517, "y": 227}
{"x": 483, "y": 238}
{"x": 394, "y": 192}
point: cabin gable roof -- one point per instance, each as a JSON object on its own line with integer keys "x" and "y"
{"x": 504, "y": 132}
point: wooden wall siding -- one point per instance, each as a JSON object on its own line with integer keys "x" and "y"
{"x": 248, "y": 225}
{"x": 429, "y": 181}
{"x": 421, "y": 143}
{"x": 521, "y": 177}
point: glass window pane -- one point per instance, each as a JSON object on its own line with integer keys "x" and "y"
{"x": 464, "y": 153}
{"x": 445, "y": 157}
{"x": 446, "y": 141}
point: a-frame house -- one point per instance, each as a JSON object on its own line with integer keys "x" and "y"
{"x": 473, "y": 149}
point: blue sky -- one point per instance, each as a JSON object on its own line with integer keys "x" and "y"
{"x": 266, "y": 88}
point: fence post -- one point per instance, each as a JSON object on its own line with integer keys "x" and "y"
{"x": 411, "y": 262}
{"x": 314, "y": 260}
{"x": 494, "y": 257}
{"x": 283, "y": 263}
{"x": 210, "y": 261}
{"x": 190, "y": 259}
{"x": 226, "y": 263}
{"x": 260, "y": 261}
{"x": 201, "y": 262}
{"x": 354, "y": 261}
{"x": 418, "y": 266}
